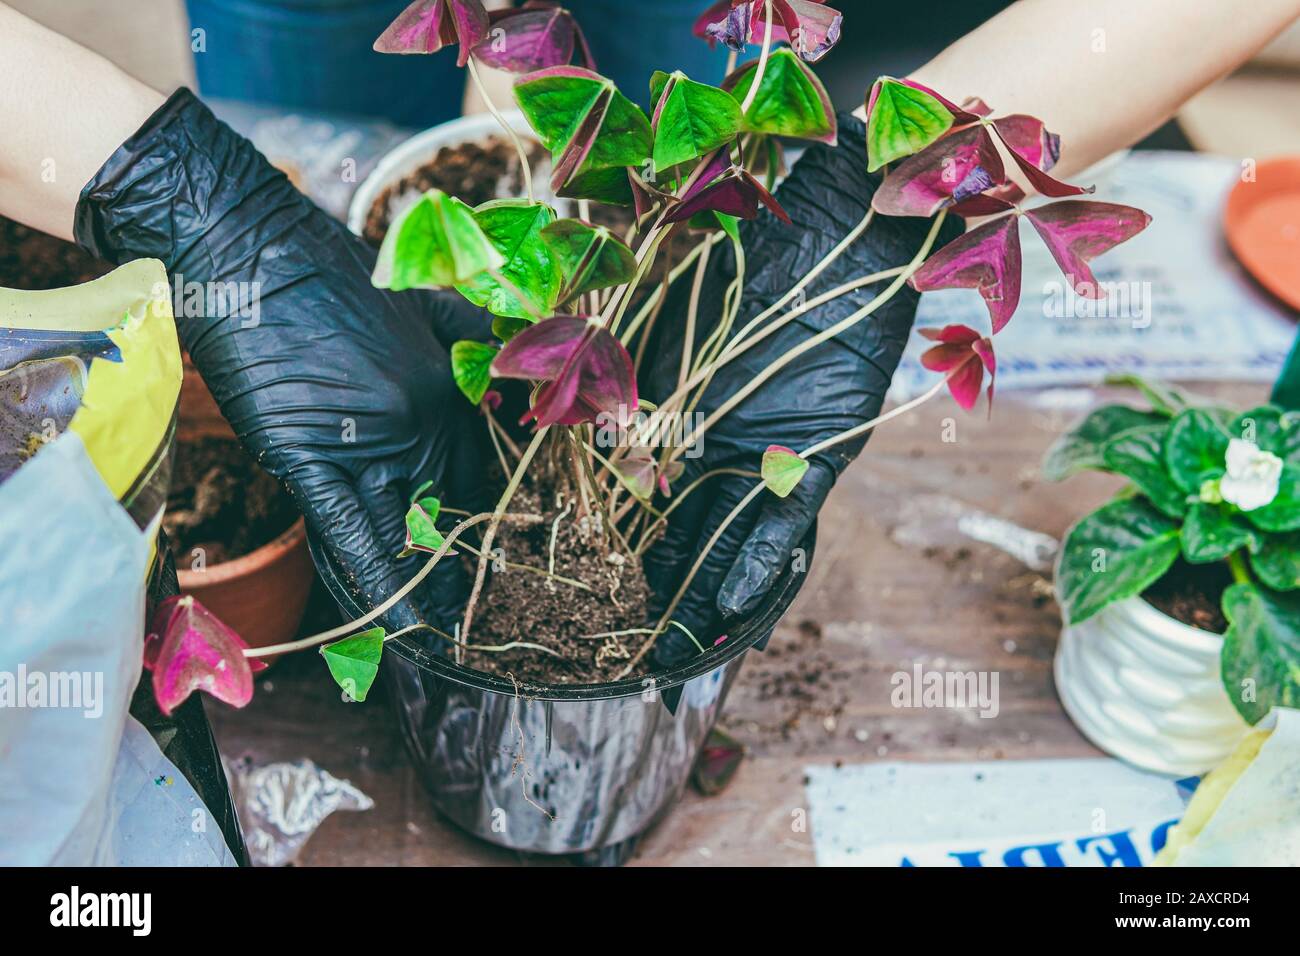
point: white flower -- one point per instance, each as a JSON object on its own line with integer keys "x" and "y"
{"x": 1253, "y": 475}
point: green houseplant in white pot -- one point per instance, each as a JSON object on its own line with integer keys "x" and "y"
{"x": 1181, "y": 595}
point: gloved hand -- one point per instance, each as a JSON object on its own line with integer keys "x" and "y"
{"x": 838, "y": 384}
{"x": 340, "y": 390}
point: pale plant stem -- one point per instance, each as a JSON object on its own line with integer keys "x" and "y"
{"x": 487, "y": 648}
{"x": 705, "y": 374}
{"x": 555, "y": 535}
{"x": 496, "y": 446}
{"x": 514, "y": 137}
{"x": 646, "y": 251}
{"x": 505, "y": 435}
{"x": 512, "y": 566}
{"x": 762, "y": 59}
{"x": 854, "y": 234}
{"x": 753, "y": 493}
{"x": 644, "y": 264}
{"x": 880, "y": 419}
{"x": 808, "y": 344}
{"x": 661, "y": 292}
{"x": 647, "y": 535}
{"x": 621, "y": 480}
{"x": 690, "y": 577}
{"x": 343, "y": 630}
{"x": 715, "y": 345}
{"x": 658, "y": 300}
{"x": 511, "y": 487}
{"x": 606, "y": 634}
{"x": 741, "y": 342}
{"x": 692, "y": 313}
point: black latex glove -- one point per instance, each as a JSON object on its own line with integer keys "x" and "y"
{"x": 835, "y": 386}
{"x": 340, "y": 390}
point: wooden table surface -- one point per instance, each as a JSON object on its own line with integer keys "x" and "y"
{"x": 899, "y": 577}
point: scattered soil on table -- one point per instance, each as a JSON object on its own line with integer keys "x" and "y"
{"x": 475, "y": 173}
{"x": 221, "y": 502}
{"x": 793, "y": 690}
{"x": 518, "y": 605}
{"x": 1192, "y": 593}
{"x": 33, "y": 260}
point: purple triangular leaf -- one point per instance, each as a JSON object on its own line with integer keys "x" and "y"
{"x": 585, "y": 370}
{"x": 426, "y": 26}
{"x": 530, "y": 38}
{"x": 923, "y": 184}
{"x": 575, "y": 153}
{"x": 1032, "y": 146}
{"x": 737, "y": 193}
{"x": 986, "y": 259}
{"x": 1076, "y": 231}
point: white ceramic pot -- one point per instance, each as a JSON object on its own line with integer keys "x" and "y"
{"x": 407, "y": 157}
{"x": 1146, "y": 688}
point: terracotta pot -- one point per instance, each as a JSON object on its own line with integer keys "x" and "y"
{"x": 261, "y": 595}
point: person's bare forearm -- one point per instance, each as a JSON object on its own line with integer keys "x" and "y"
{"x": 1103, "y": 73}
{"x": 63, "y": 112}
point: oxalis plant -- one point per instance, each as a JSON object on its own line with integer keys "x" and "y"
{"x": 1214, "y": 486}
{"x": 570, "y": 297}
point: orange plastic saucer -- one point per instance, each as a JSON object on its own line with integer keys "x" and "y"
{"x": 1262, "y": 223}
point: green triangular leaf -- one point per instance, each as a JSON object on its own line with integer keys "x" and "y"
{"x": 791, "y": 101}
{"x": 433, "y": 245}
{"x": 471, "y": 364}
{"x": 782, "y": 470}
{"x": 514, "y": 227}
{"x": 593, "y": 131}
{"x": 590, "y": 257}
{"x": 431, "y": 506}
{"x": 421, "y": 534}
{"x": 505, "y": 327}
{"x": 691, "y": 120}
{"x": 354, "y": 661}
{"x": 903, "y": 121}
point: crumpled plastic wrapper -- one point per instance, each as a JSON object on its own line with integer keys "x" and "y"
{"x": 280, "y": 805}
{"x": 1247, "y": 811}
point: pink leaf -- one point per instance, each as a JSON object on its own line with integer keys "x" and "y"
{"x": 189, "y": 649}
{"x": 1035, "y": 151}
{"x": 964, "y": 355}
{"x": 982, "y": 204}
{"x": 637, "y": 469}
{"x": 986, "y": 259}
{"x": 1076, "y": 231}
{"x": 426, "y": 26}
{"x": 534, "y": 37}
{"x": 810, "y": 28}
{"x": 951, "y": 169}
{"x": 736, "y": 193}
{"x": 584, "y": 370}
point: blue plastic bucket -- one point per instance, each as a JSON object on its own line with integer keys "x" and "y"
{"x": 316, "y": 55}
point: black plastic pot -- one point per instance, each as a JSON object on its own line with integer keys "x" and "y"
{"x": 566, "y": 769}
